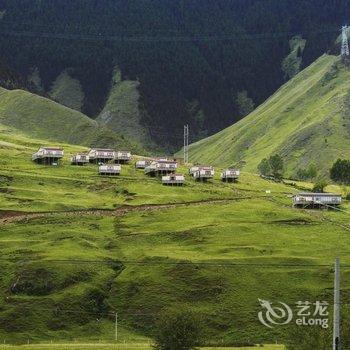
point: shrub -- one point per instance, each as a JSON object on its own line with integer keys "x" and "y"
{"x": 340, "y": 171}
{"x": 177, "y": 329}
{"x": 320, "y": 186}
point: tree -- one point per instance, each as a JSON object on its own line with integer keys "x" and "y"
{"x": 320, "y": 186}
{"x": 276, "y": 164}
{"x": 309, "y": 173}
{"x": 245, "y": 103}
{"x": 177, "y": 329}
{"x": 272, "y": 166}
{"x": 264, "y": 167}
{"x": 340, "y": 171}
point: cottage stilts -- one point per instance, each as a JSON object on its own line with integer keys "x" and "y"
{"x": 204, "y": 173}
{"x": 110, "y": 169}
{"x": 230, "y": 175}
{"x": 161, "y": 167}
{"x": 122, "y": 157}
{"x": 48, "y": 155}
{"x": 142, "y": 163}
{"x": 80, "y": 159}
{"x": 173, "y": 180}
{"x": 101, "y": 155}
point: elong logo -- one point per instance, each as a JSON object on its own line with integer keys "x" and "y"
{"x": 307, "y": 314}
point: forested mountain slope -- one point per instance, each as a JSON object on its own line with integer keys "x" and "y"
{"x": 306, "y": 120}
{"x": 190, "y": 59}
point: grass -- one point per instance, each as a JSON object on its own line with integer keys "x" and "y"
{"x": 304, "y": 121}
{"x": 129, "y": 346}
{"x": 42, "y": 118}
{"x": 122, "y": 111}
{"x": 64, "y": 274}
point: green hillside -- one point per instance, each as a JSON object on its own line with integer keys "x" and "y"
{"x": 307, "y": 119}
{"x": 122, "y": 111}
{"x": 40, "y": 117}
{"x": 75, "y": 247}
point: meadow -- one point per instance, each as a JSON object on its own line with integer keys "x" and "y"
{"x": 76, "y": 248}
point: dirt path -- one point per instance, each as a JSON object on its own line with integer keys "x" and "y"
{"x": 8, "y": 216}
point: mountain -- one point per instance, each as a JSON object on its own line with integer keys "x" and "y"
{"x": 189, "y": 59}
{"x": 40, "y": 117}
{"x": 306, "y": 120}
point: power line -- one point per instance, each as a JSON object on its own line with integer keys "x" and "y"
{"x": 159, "y": 38}
{"x": 170, "y": 263}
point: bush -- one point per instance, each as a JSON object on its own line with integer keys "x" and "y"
{"x": 320, "y": 186}
{"x": 309, "y": 173}
{"x": 177, "y": 329}
{"x": 272, "y": 166}
{"x": 340, "y": 171}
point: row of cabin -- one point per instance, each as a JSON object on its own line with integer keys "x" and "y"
{"x": 52, "y": 155}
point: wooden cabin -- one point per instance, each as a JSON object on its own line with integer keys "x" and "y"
{"x": 173, "y": 180}
{"x": 204, "y": 173}
{"x": 230, "y": 175}
{"x": 48, "y": 155}
{"x": 110, "y": 169}
{"x": 142, "y": 163}
{"x": 122, "y": 157}
{"x": 80, "y": 159}
{"x": 161, "y": 167}
{"x": 316, "y": 200}
{"x": 193, "y": 169}
{"x": 101, "y": 155}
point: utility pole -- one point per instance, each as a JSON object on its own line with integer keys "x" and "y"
{"x": 336, "y": 325}
{"x": 116, "y": 326}
{"x": 186, "y": 136}
{"x": 345, "y": 43}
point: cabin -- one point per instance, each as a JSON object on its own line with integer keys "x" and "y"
{"x": 48, "y": 155}
{"x": 122, "y": 157}
{"x": 101, "y": 155}
{"x": 316, "y": 200}
{"x": 161, "y": 167}
{"x": 230, "y": 175}
{"x": 80, "y": 159}
{"x": 173, "y": 180}
{"x": 204, "y": 173}
{"x": 142, "y": 163}
{"x": 110, "y": 169}
{"x": 193, "y": 169}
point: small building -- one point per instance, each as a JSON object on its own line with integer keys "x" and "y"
{"x": 193, "y": 169}
{"x": 161, "y": 167}
{"x": 48, "y": 155}
{"x": 173, "y": 180}
{"x": 142, "y": 163}
{"x": 230, "y": 175}
{"x": 80, "y": 159}
{"x": 316, "y": 200}
{"x": 110, "y": 169}
{"x": 204, "y": 173}
{"x": 122, "y": 157}
{"x": 101, "y": 155}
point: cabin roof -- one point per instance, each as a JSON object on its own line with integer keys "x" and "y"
{"x": 166, "y": 161}
{"x": 312, "y": 194}
{"x": 52, "y": 148}
{"x": 102, "y": 149}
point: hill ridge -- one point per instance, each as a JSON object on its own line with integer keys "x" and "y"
{"x": 303, "y": 117}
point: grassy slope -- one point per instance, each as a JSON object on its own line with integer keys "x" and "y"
{"x": 121, "y": 112}
{"x": 42, "y": 118}
{"x": 56, "y": 300}
{"x": 305, "y": 120}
